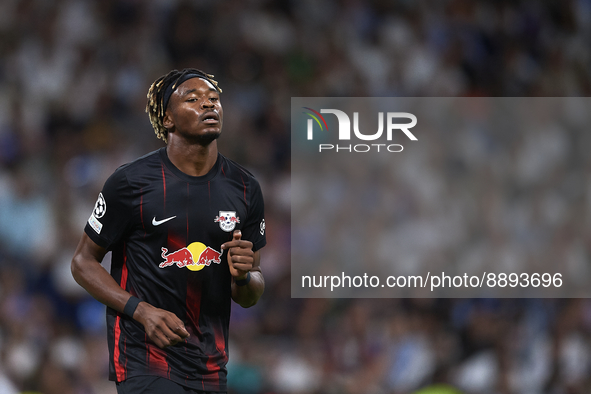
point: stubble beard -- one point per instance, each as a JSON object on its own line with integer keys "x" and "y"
{"x": 207, "y": 138}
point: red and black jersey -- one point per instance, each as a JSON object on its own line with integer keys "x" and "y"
{"x": 165, "y": 229}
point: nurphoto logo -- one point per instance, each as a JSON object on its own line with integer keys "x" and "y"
{"x": 344, "y": 132}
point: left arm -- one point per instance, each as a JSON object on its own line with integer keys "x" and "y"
{"x": 242, "y": 261}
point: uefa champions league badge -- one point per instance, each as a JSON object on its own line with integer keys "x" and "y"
{"x": 227, "y": 220}
{"x": 100, "y": 208}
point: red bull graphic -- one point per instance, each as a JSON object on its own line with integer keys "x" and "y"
{"x": 194, "y": 257}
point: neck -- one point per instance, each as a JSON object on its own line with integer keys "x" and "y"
{"x": 193, "y": 159}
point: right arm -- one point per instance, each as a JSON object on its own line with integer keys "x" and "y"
{"x": 163, "y": 328}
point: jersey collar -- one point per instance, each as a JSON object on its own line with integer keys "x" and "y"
{"x": 188, "y": 178}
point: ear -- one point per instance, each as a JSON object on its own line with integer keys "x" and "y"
{"x": 167, "y": 121}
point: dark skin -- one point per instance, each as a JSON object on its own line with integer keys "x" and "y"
{"x": 193, "y": 119}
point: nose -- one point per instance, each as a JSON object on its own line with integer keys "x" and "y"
{"x": 207, "y": 103}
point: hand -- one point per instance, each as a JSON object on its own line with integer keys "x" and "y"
{"x": 240, "y": 255}
{"x": 164, "y": 328}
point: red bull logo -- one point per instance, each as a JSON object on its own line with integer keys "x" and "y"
{"x": 194, "y": 257}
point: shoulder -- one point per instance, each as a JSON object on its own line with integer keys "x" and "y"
{"x": 145, "y": 163}
{"x": 140, "y": 167}
{"x": 245, "y": 180}
{"x": 232, "y": 169}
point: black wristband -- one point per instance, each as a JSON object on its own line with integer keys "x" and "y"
{"x": 131, "y": 306}
{"x": 243, "y": 282}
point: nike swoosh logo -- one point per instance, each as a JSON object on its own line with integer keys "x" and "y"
{"x": 159, "y": 222}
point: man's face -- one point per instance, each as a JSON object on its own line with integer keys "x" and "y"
{"x": 195, "y": 112}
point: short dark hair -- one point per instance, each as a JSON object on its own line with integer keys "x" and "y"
{"x": 157, "y": 102}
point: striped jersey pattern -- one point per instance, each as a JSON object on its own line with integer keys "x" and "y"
{"x": 165, "y": 229}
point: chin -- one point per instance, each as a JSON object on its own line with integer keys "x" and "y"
{"x": 208, "y": 137}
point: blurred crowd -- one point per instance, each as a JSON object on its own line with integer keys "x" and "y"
{"x": 73, "y": 81}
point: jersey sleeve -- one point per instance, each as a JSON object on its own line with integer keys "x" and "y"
{"x": 111, "y": 217}
{"x": 254, "y": 227}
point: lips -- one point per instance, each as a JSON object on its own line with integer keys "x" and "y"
{"x": 211, "y": 117}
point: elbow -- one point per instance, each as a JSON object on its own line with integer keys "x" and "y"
{"x": 76, "y": 269}
{"x": 247, "y": 301}
{"x": 252, "y": 301}
{"x": 249, "y": 304}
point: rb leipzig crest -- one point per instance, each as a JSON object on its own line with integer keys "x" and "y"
{"x": 227, "y": 220}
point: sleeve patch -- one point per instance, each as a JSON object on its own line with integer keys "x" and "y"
{"x": 95, "y": 224}
{"x": 100, "y": 208}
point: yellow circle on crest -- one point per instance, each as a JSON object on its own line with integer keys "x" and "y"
{"x": 196, "y": 248}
